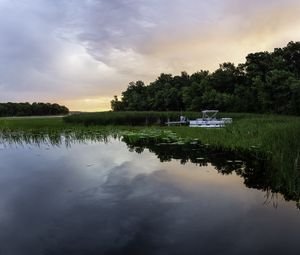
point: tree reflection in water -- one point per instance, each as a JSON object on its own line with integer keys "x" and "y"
{"x": 252, "y": 166}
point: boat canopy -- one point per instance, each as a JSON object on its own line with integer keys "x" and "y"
{"x": 209, "y": 114}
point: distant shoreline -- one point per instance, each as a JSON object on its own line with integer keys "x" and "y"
{"x": 33, "y": 117}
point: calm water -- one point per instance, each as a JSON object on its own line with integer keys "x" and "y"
{"x": 102, "y": 198}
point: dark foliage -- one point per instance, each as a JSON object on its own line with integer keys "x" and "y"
{"x": 266, "y": 83}
{"x": 35, "y": 109}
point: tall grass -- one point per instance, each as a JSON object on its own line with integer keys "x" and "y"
{"x": 28, "y": 123}
{"x": 138, "y": 118}
{"x": 277, "y": 136}
{"x": 128, "y": 118}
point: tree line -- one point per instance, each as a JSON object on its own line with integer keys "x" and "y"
{"x": 268, "y": 82}
{"x": 35, "y": 109}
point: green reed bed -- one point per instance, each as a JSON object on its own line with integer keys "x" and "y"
{"x": 138, "y": 118}
{"x": 128, "y": 118}
{"x": 29, "y": 123}
{"x": 52, "y": 131}
{"x": 277, "y": 136}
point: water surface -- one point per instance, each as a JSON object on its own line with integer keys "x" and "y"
{"x": 103, "y": 198}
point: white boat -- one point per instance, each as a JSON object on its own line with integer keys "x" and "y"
{"x": 209, "y": 120}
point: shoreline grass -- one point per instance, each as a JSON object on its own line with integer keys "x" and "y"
{"x": 266, "y": 132}
{"x": 129, "y": 118}
{"x": 276, "y": 135}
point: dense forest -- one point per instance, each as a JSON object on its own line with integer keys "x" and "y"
{"x": 268, "y": 82}
{"x": 35, "y": 109}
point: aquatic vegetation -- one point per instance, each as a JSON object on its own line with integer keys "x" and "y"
{"x": 278, "y": 137}
{"x": 263, "y": 138}
{"x": 130, "y": 118}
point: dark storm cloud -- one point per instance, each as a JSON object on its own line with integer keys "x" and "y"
{"x": 76, "y": 50}
{"x": 27, "y": 44}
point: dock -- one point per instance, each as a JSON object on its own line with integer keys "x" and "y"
{"x": 177, "y": 123}
{"x": 182, "y": 121}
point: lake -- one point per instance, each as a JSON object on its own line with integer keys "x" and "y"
{"x": 111, "y": 197}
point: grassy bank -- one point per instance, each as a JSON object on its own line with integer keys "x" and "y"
{"x": 127, "y": 118}
{"x": 132, "y": 118}
{"x": 29, "y": 123}
{"x": 276, "y": 136}
{"x": 270, "y": 133}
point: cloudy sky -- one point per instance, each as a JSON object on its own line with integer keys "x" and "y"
{"x": 82, "y": 52}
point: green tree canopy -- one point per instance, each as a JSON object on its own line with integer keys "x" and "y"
{"x": 267, "y": 82}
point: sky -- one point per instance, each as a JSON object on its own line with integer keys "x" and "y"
{"x": 81, "y": 53}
